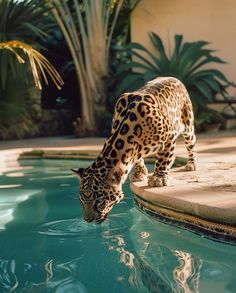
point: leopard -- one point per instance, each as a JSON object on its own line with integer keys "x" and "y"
{"x": 146, "y": 122}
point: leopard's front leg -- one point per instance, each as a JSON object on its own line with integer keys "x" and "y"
{"x": 163, "y": 164}
{"x": 140, "y": 171}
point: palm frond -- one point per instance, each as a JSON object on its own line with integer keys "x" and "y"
{"x": 134, "y": 47}
{"x": 38, "y": 62}
{"x": 174, "y": 60}
{"x": 187, "y": 63}
{"x": 24, "y": 20}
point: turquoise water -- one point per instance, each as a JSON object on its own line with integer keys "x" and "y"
{"x": 46, "y": 247}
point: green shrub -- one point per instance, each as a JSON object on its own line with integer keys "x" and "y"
{"x": 187, "y": 62}
{"x": 22, "y": 24}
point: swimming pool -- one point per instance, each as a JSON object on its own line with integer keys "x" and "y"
{"x": 46, "y": 247}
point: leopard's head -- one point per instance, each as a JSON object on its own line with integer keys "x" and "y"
{"x": 99, "y": 192}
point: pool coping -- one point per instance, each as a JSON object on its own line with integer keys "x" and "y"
{"x": 210, "y": 229}
{"x": 188, "y": 192}
{"x": 194, "y": 200}
{"x": 219, "y": 231}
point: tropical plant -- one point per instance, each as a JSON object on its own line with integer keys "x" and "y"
{"x": 21, "y": 22}
{"x": 38, "y": 63}
{"x": 20, "y": 109}
{"x": 16, "y": 101}
{"x": 88, "y": 28}
{"x": 187, "y": 62}
{"x": 209, "y": 119}
{"x": 25, "y": 21}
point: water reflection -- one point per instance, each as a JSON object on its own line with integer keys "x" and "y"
{"x": 8, "y": 277}
{"x": 171, "y": 260}
{"x": 62, "y": 277}
{"x": 167, "y": 271}
{"x": 56, "y": 278}
{"x": 28, "y": 261}
{"x": 70, "y": 255}
{"x": 187, "y": 273}
{"x": 46, "y": 247}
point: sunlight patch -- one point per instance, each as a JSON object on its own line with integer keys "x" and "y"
{"x": 11, "y": 186}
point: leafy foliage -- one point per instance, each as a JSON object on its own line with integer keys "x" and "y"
{"x": 187, "y": 62}
{"x": 19, "y": 109}
{"x": 22, "y": 23}
{"x": 26, "y": 21}
{"x": 37, "y": 62}
{"x": 23, "y": 20}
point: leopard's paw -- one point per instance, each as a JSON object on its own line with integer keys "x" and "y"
{"x": 137, "y": 177}
{"x": 157, "y": 181}
{"x": 190, "y": 167}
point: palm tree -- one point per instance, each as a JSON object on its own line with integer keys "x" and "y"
{"x": 88, "y": 27}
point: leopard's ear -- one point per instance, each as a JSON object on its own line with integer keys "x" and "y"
{"x": 79, "y": 172}
{"x": 115, "y": 176}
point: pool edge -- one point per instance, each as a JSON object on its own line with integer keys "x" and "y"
{"x": 219, "y": 231}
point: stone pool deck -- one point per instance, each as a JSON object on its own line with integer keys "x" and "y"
{"x": 205, "y": 198}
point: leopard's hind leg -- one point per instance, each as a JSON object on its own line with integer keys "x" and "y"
{"x": 189, "y": 137}
{"x": 140, "y": 171}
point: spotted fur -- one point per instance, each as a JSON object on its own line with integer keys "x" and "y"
{"x": 145, "y": 122}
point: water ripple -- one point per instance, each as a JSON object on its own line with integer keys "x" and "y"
{"x": 77, "y": 226}
{"x": 68, "y": 227}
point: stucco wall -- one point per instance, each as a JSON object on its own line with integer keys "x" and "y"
{"x": 208, "y": 20}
